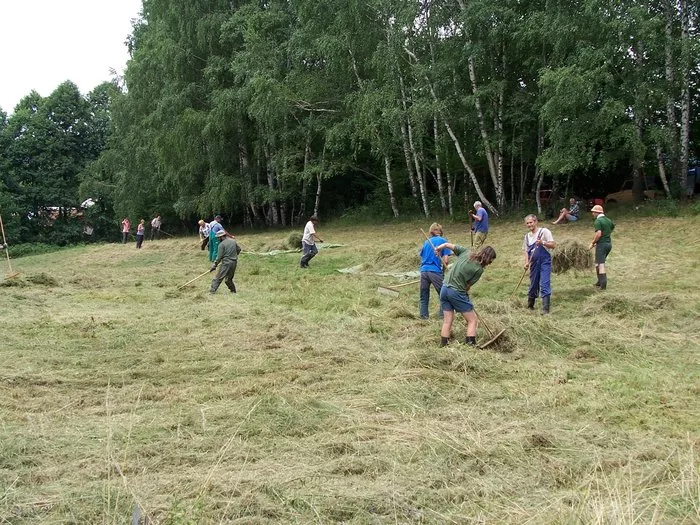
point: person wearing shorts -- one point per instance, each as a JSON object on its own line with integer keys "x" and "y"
{"x": 602, "y": 241}
{"x": 454, "y": 295}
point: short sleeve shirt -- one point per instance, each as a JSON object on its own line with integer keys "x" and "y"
{"x": 429, "y": 261}
{"x": 309, "y": 231}
{"x": 605, "y": 226}
{"x": 540, "y": 233}
{"x": 462, "y": 273}
{"x": 482, "y": 226}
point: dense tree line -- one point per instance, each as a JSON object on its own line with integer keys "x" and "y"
{"x": 270, "y": 110}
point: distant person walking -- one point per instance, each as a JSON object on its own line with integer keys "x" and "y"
{"x": 480, "y": 225}
{"x": 602, "y": 241}
{"x": 214, "y": 228}
{"x": 308, "y": 242}
{"x": 140, "y": 232}
{"x": 537, "y": 248}
{"x": 227, "y": 256}
{"x": 203, "y": 233}
{"x": 463, "y": 273}
{"x": 126, "y": 228}
{"x": 568, "y": 214}
{"x": 431, "y": 268}
{"x": 156, "y": 223}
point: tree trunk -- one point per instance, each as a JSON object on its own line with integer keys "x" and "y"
{"x": 317, "y": 203}
{"x": 417, "y": 164}
{"x": 671, "y": 121}
{"x": 538, "y": 171}
{"x": 685, "y": 98}
{"x": 662, "y": 171}
{"x": 404, "y": 140}
{"x": 457, "y": 145}
{"x": 390, "y": 186}
{"x": 438, "y": 168}
{"x": 269, "y": 170}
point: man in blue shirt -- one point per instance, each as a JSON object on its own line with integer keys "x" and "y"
{"x": 431, "y": 267}
{"x": 481, "y": 224}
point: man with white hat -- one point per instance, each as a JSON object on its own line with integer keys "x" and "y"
{"x": 603, "y": 243}
{"x": 481, "y": 224}
{"x": 227, "y": 255}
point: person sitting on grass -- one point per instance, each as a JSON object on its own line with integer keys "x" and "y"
{"x": 570, "y": 214}
{"x": 462, "y": 274}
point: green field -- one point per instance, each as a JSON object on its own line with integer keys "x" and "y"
{"x": 310, "y": 398}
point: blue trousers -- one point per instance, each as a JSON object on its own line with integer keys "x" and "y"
{"x": 540, "y": 274}
{"x": 426, "y": 280}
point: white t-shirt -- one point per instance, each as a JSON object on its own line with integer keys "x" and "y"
{"x": 531, "y": 238}
{"x": 308, "y": 237}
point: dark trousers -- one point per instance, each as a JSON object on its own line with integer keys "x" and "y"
{"x": 225, "y": 273}
{"x": 426, "y": 280}
{"x": 309, "y": 252}
{"x": 139, "y": 240}
{"x": 125, "y": 237}
{"x": 205, "y": 242}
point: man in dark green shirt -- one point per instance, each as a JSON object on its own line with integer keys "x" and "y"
{"x": 454, "y": 295}
{"x": 603, "y": 243}
{"x": 227, "y": 255}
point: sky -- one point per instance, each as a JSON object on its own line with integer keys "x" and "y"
{"x": 43, "y": 43}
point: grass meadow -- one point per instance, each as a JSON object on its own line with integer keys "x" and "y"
{"x": 308, "y": 397}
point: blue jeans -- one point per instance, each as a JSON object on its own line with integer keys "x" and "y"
{"x": 427, "y": 279}
{"x": 309, "y": 252}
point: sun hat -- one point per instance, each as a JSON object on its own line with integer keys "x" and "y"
{"x": 221, "y": 233}
{"x": 218, "y": 218}
{"x": 597, "y": 209}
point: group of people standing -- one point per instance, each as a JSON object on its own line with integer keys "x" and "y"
{"x": 454, "y": 282}
{"x": 156, "y": 223}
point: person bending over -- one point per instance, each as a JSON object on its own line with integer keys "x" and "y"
{"x": 464, "y": 272}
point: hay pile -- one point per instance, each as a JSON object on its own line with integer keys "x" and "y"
{"x": 570, "y": 254}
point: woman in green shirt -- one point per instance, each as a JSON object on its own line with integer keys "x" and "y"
{"x": 454, "y": 295}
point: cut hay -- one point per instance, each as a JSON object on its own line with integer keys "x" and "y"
{"x": 569, "y": 255}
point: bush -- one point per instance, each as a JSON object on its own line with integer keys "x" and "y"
{"x": 34, "y": 248}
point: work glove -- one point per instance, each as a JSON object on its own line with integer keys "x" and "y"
{"x": 213, "y": 267}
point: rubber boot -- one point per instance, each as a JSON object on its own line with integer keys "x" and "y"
{"x": 597, "y": 272}
{"x": 545, "y": 305}
{"x": 603, "y": 281}
{"x": 531, "y": 303}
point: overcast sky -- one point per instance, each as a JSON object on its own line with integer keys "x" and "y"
{"x": 43, "y": 43}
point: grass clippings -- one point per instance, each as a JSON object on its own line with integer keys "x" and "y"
{"x": 309, "y": 398}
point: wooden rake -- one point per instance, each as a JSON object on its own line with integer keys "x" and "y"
{"x": 193, "y": 280}
{"x": 494, "y": 337}
{"x": 392, "y": 290}
{"x": 12, "y": 274}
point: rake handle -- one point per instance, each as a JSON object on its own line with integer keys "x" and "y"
{"x": 4, "y": 241}
{"x": 482, "y": 322}
{"x": 444, "y": 266}
{"x": 193, "y": 280}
